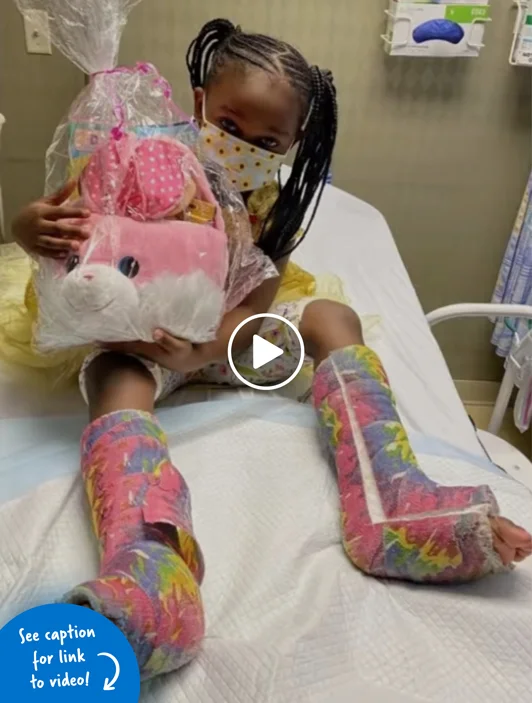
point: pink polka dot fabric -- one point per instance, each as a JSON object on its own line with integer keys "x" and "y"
{"x": 144, "y": 179}
{"x": 160, "y": 167}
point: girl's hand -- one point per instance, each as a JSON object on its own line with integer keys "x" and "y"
{"x": 167, "y": 351}
{"x": 49, "y": 228}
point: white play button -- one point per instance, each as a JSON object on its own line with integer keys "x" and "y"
{"x": 264, "y": 352}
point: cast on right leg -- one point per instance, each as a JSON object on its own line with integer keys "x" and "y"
{"x": 151, "y": 565}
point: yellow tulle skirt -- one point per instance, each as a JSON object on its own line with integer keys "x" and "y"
{"x": 18, "y": 314}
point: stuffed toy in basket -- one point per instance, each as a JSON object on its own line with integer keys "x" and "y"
{"x": 157, "y": 255}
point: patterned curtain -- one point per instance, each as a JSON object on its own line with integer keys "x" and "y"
{"x": 514, "y": 284}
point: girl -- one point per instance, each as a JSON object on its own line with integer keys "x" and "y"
{"x": 255, "y": 98}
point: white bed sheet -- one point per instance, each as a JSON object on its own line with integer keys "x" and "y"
{"x": 351, "y": 239}
{"x": 289, "y": 619}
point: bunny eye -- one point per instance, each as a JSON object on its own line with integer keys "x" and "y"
{"x": 72, "y": 262}
{"x": 128, "y": 266}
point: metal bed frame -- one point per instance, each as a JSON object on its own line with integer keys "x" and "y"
{"x": 491, "y": 311}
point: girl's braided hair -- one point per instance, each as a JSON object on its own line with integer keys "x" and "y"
{"x": 220, "y": 43}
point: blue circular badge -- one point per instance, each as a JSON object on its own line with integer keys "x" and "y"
{"x": 63, "y": 653}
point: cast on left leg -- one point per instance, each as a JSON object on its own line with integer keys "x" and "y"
{"x": 397, "y": 523}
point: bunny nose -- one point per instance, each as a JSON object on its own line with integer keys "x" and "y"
{"x": 92, "y": 288}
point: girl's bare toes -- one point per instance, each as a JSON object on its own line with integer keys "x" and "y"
{"x": 512, "y": 543}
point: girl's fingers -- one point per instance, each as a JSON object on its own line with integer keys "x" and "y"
{"x": 51, "y": 253}
{"x": 62, "y": 230}
{"x": 57, "y": 244}
{"x": 64, "y": 212}
{"x": 71, "y": 229}
{"x": 170, "y": 344}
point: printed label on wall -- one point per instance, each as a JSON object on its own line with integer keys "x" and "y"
{"x": 466, "y": 14}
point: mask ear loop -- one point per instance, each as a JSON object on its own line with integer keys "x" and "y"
{"x": 204, "y": 112}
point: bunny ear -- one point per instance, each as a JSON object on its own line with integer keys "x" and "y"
{"x": 163, "y": 168}
{"x": 145, "y": 179}
{"x": 104, "y": 179}
{"x": 161, "y": 176}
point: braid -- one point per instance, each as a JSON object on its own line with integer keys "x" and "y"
{"x": 309, "y": 174}
{"x": 220, "y": 43}
{"x": 202, "y": 50}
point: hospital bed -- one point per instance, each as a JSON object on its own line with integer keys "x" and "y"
{"x": 289, "y": 619}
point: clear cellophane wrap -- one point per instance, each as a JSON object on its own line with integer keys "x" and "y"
{"x": 170, "y": 242}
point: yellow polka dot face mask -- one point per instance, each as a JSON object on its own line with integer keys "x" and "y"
{"x": 249, "y": 167}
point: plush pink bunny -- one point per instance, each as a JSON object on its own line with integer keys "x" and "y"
{"x": 139, "y": 271}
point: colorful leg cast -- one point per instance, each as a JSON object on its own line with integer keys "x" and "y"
{"x": 151, "y": 565}
{"x": 397, "y": 523}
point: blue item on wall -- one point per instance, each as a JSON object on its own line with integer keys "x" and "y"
{"x": 444, "y": 30}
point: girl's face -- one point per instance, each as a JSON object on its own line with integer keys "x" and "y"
{"x": 252, "y": 105}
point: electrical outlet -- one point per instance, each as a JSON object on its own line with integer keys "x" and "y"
{"x": 37, "y": 30}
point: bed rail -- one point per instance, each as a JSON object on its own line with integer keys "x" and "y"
{"x": 491, "y": 311}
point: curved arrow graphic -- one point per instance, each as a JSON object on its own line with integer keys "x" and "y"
{"x": 110, "y": 685}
